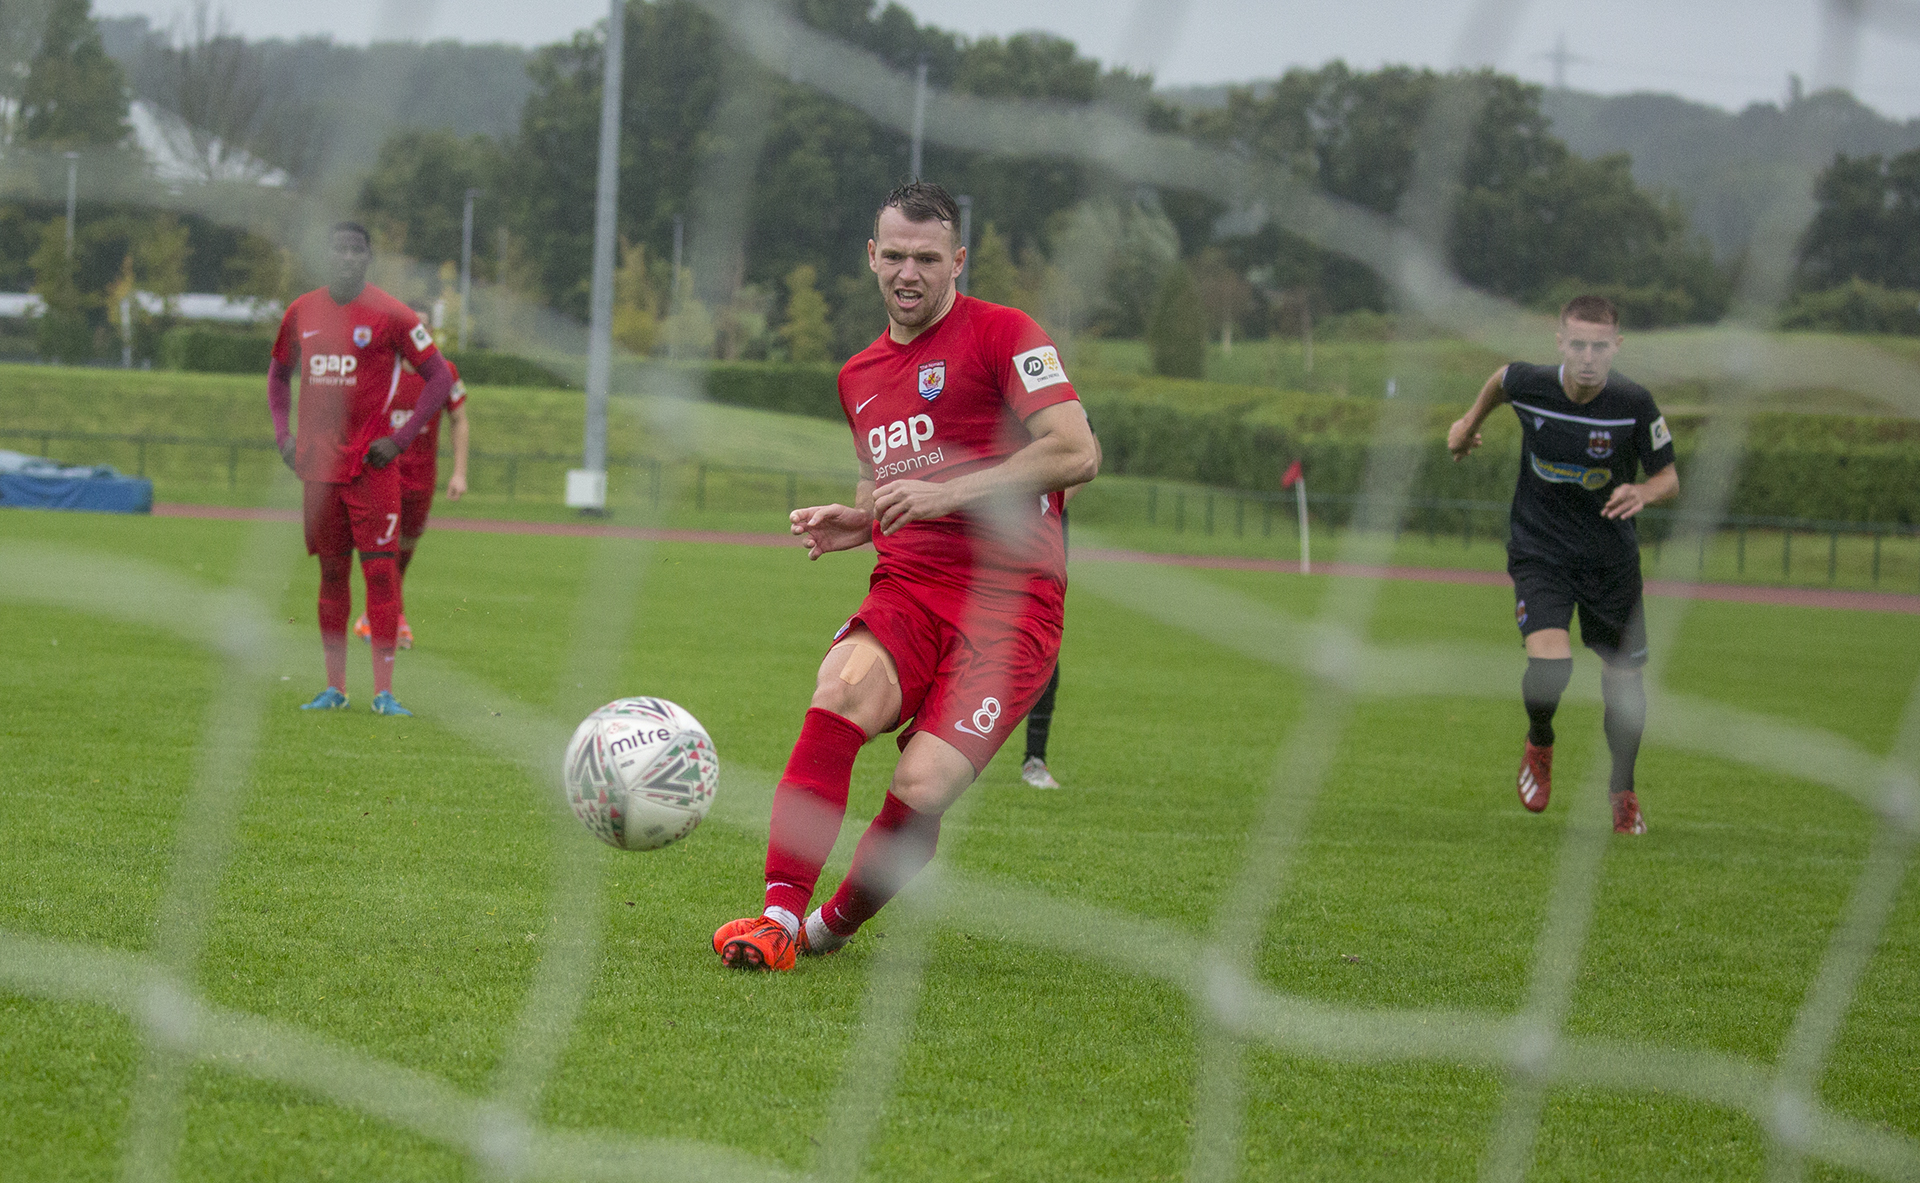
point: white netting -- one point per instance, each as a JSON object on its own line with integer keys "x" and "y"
{"x": 1530, "y": 1048}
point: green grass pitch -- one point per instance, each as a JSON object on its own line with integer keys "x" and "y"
{"x": 387, "y": 884}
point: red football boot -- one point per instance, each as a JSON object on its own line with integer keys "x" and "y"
{"x": 754, "y": 942}
{"x": 1626, "y": 814}
{"x": 1536, "y": 777}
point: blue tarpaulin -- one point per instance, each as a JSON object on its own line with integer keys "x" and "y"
{"x": 33, "y": 482}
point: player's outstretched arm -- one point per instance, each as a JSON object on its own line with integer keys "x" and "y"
{"x": 1464, "y": 436}
{"x": 1062, "y": 454}
{"x": 1627, "y": 500}
{"x": 827, "y": 528}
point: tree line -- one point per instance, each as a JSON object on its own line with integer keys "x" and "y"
{"x": 1087, "y": 253}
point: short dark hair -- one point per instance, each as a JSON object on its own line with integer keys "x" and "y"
{"x": 356, "y": 228}
{"x": 1593, "y": 309}
{"x": 921, "y": 201}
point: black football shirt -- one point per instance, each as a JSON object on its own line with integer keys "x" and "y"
{"x": 1572, "y": 455}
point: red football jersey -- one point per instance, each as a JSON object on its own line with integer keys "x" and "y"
{"x": 348, "y": 356}
{"x": 419, "y": 467}
{"x": 952, "y": 400}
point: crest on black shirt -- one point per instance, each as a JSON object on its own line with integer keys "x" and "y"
{"x": 1599, "y": 444}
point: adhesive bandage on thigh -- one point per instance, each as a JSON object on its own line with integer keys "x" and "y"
{"x": 862, "y": 659}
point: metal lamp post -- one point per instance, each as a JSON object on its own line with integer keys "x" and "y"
{"x": 587, "y": 485}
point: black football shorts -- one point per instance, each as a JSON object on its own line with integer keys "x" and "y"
{"x": 1612, "y": 623}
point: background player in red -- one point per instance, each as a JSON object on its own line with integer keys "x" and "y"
{"x": 420, "y": 471}
{"x": 347, "y": 341}
{"x": 967, "y": 430}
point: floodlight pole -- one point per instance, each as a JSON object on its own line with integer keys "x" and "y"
{"x": 919, "y": 115}
{"x": 73, "y": 193}
{"x": 966, "y": 233}
{"x": 466, "y": 268}
{"x": 587, "y": 486}
{"x": 673, "y": 290}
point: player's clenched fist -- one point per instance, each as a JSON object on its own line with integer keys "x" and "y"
{"x": 827, "y": 528}
{"x": 1626, "y": 501}
{"x": 896, "y": 504}
{"x": 1462, "y": 439}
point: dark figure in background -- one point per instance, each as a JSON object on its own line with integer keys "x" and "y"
{"x": 1584, "y": 430}
{"x": 1033, "y": 769}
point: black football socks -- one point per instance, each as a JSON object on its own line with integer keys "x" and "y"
{"x": 1625, "y": 694}
{"x": 1540, "y": 690}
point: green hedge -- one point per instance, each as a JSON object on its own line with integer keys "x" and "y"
{"x": 483, "y": 367}
{"x": 792, "y": 388}
{"x": 1826, "y": 468}
{"x": 211, "y": 351}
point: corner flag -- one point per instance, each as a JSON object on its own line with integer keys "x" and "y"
{"x": 1295, "y": 478}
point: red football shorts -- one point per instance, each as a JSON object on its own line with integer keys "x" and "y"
{"x": 415, "y": 503}
{"x": 362, "y": 515}
{"x": 972, "y": 686}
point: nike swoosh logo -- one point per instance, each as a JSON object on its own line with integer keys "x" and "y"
{"x": 307, "y": 333}
{"x": 859, "y": 407}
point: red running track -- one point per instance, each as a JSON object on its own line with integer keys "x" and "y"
{"x": 1795, "y": 597}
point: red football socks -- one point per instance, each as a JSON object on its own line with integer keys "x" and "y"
{"x": 896, "y": 847}
{"x": 336, "y": 604}
{"x": 383, "y": 598}
{"x": 808, "y": 806}
{"x": 383, "y": 614}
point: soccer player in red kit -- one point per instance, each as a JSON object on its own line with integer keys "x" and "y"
{"x": 967, "y": 432}
{"x": 346, "y": 341}
{"x": 420, "y": 472}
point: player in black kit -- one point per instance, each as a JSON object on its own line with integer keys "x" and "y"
{"x": 1583, "y": 432}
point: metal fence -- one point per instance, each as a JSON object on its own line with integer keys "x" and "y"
{"x": 1179, "y": 507}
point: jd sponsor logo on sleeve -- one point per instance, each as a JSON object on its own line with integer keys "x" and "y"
{"x": 1661, "y": 436}
{"x": 420, "y": 337}
{"x": 910, "y": 434}
{"x": 1039, "y": 368}
{"x": 1593, "y": 479}
{"x": 933, "y": 379}
{"x": 362, "y": 336}
{"x": 1599, "y": 444}
{"x": 332, "y": 369}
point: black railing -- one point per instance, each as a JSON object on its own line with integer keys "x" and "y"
{"x": 1165, "y": 502}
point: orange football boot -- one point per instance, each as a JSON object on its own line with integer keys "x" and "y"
{"x": 754, "y": 942}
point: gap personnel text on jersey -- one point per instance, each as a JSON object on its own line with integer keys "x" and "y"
{"x": 914, "y": 433}
{"x": 332, "y": 369}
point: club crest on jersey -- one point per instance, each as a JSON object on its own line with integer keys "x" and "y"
{"x": 1599, "y": 444}
{"x": 362, "y": 336}
{"x": 933, "y": 379}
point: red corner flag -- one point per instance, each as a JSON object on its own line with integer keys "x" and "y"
{"x": 1293, "y": 474}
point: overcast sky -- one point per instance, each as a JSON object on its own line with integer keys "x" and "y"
{"x": 1726, "y": 52}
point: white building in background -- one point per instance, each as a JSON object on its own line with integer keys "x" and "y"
{"x": 201, "y": 306}
{"x": 180, "y": 154}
